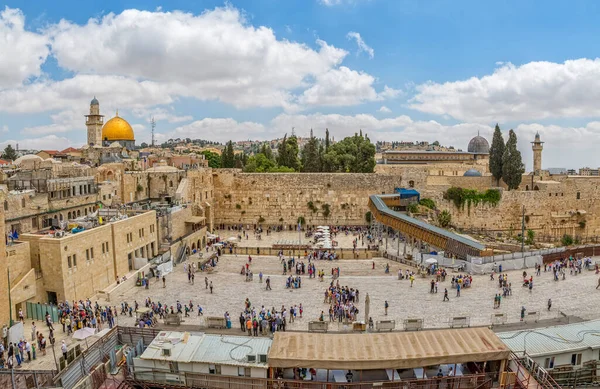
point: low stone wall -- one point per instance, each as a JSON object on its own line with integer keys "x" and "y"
{"x": 344, "y": 253}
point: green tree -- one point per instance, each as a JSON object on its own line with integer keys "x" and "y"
{"x": 214, "y": 159}
{"x": 497, "y": 154}
{"x": 355, "y": 154}
{"x": 512, "y": 164}
{"x": 311, "y": 158}
{"x": 143, "y": 145}
{"x": 287, "y": 153}
{"x": 326, "y": 140}
{"x": 266, "y": 150}
{"x": 9, "y": 153}
{"x": 228, "y": 157}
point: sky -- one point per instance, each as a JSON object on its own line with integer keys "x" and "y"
{"x": 397, "y": 70}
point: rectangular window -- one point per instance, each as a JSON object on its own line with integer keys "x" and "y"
{"x": 87, "y": 254}
{"x": 214, "y": 369}
{"x": 34, "y": 222}
{"x": 74, "y": 260}
{"x": 92, "y": 252}
{"x": 575, "y": 359}
{"x": 69, "y": 263}
{"x": 549, "y": 363}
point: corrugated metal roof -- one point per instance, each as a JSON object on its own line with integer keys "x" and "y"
{"x": 554, "y": 340}
{"x": 385, "y": 210}
{"x": 205, "y": 348}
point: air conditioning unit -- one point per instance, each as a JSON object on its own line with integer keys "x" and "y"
{"x": 262, "y": 358}
{"x": 251, "y": 358}
{"x": 166, "y": 352}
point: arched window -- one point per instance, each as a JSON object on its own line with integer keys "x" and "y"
{"x": 61, "y": 217}
{"x": 69, "y": 215}
{"x": 78, "y": 212}
{"x": 411, "y": 184}
{"x": 526, "y": 187}
{"x": 170, "y": 184}
{"x": 536, "y": 188}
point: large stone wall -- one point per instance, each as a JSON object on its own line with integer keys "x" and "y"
{"x": 569, "y": 205}
{"x": 280, "y": 198}
{"x": 4, "y": 305}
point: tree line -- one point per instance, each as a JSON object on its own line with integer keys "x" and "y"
{"x": 353, "y": 154}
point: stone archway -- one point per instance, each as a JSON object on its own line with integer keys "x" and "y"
{"x": 526, "y": 187}
{"x": 536, "y": 188}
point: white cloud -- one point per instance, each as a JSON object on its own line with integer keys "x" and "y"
{"x": 48, "y": 142}
{"x": 339, "y": 87}
{"x": 4, "y": 128}
{"x": 159, "y": 114}
{"x": 22, "y": 52}
{"x": 362, "y": 46}
{"x": 384, "y": 109}
{"x": 220, "y": 129}
{"x": 62, "y": 122}
{"x": 330, "y": 3}
{"x": 536, "y": 90}
{"x": 215, "y": 55}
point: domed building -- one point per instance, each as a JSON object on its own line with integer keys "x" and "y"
{"x": 118, "y": 130}
{"x": 102, "y": 134}
{"x": 478, "y": 145}
{"x": 472, "y": 173}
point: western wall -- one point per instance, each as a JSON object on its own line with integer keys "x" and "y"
{"x": 280, "y": 198}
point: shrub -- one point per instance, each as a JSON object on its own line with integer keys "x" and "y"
{"x": 429, "y": 203}
{"x": 326, "y": 210}
{"x": 368, "y": 217}
{"x": 566, "y": 240}
{"x": 301, "y": 220}
{"x": 237, "y": 206}
{"x": 413, "y": 208}
{"x": 261, "y": 219}
{"x": 444, "y": 218}
{"x": 311, "y": 206}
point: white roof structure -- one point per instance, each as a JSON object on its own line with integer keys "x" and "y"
{"x": 205, "y": 348}
{"x": 554, "y": 340}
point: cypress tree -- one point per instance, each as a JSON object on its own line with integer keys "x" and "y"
{"x": 311, "y": 158}
{"x": 497, "y": 154}
{"x": 512, "y": 164}
{"x": 228, "y": 157}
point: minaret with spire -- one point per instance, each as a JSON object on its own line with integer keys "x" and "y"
{"x": 537, "y": 146}
{"x": 94, "y": 122}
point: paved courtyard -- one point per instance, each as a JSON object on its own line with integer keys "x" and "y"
{"x": 574, "y": 296}
{"x": 344, "y": 241}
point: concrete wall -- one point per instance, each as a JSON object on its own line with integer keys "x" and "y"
{"x": 280, "y": 198}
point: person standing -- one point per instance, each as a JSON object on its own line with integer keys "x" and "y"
{"x": 549, "y": 304}
{"x": 523, "y": 312}
{"x": 63, "y": 349}
{"x": 446, "y": 295}
{"x": 386, "y": 306}
{"x": 206, "y": 282}
{"x": 458, "y": 289}
{"x": 164, "y": 281}
{"x": 34, "y": 331}
{"x": 211, "y": 287}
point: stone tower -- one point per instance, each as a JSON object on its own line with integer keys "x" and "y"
{"x": 537, "y": 146}
{"x": 94, "y": 122}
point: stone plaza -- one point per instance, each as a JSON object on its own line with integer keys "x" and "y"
{"x": 574, "y": 296}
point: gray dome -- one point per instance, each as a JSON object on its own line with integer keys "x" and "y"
{"x": 479, "y": 145}
{"x": 472, "y": 173}
{"x": 94, "y": 101}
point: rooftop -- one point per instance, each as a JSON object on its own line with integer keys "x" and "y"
{"x": 554, "y": 340}
{"x": 395, "y": 350}
{"x": 206, "y": 348}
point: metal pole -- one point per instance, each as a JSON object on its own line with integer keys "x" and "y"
{"x": 523, "y": 235}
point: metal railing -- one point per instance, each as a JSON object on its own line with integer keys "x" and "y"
{"x": 171, "y": 379}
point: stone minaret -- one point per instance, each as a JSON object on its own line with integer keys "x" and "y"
{"x": 94, "y": 122}
{"x": 537, "y": 146}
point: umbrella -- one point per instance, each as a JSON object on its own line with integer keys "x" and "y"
{"x": 430, "y": 261}
{"x": 367, "y": 306}
{"x": 84, "y": 333}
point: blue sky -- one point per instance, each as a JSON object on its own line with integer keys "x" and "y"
{"x": 398, "y": 70}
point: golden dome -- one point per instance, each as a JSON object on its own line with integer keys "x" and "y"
{"x": 117, "y": 129}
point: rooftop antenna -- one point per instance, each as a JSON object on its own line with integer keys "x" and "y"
{"x": 153, "y": 123}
